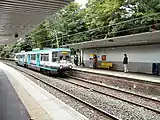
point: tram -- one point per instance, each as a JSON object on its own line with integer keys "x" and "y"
{"x": 50, "y": 61}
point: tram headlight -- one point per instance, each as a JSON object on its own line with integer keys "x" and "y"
{"x": 70, "y": 66}
{"x": 61, "y": 66}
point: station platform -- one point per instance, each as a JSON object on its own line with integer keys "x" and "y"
{"x": 11, "y": 107}
{"x": 32, "y": 101}
{"x": 136, "y": 76}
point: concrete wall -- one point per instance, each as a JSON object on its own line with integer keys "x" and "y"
{"x": 140, "y": 57}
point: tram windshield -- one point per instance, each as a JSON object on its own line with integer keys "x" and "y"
{"x": 61, "y": 56}
{"x": 64, "y": 56}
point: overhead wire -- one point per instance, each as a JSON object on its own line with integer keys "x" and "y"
{"x": 91, "y": 30}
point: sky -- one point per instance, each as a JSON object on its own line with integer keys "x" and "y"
{"x": 82, "y": 2}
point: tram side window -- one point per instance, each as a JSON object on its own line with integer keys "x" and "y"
{"x": 21, "y": 56}
{"x": 42, "y": 57}
{"x": 33, "y": 57}
{"x": 54, "y": 56}
{"x": 46, "y": 57}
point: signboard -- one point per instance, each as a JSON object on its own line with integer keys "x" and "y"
{"x": 103, "y": 57}
{"x": 64, "y": 53}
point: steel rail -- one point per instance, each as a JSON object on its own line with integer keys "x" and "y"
{"x": 122, "y": 99}
{"x": 69, "y": 94}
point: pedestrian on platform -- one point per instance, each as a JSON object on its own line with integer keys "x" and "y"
{"x": 76, "y": 59}
{"x": 153, "y": 28}
{"x": 95, "y": 62}
{"x": 125, "y": 63}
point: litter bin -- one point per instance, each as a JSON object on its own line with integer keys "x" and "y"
{"x": 155, "y": 68}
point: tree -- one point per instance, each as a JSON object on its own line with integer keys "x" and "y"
{"x": 99, "y": 12}
{"x": 18, "y": 46}
{"x": 1, "y": 47}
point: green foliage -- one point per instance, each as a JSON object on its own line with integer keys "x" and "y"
{"x": 69, "y": 24}
{"x": 9, "y": 50}
{"x": 1, "y": 47}
{"x": 99, "y": 12}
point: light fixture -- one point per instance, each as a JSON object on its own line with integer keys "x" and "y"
{"x": 61, "y": 66}
{"x": 70, "y": 66}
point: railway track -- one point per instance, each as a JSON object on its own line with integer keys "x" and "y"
{"x": 114, "y": 88}
{"x": 75, "y": 81}
{"x": 93, "y": 87}
{"x": 112, "y": 117}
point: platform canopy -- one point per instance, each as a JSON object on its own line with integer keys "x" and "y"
{"x": 20, "y": 16}
{"x": 135, "y": 39}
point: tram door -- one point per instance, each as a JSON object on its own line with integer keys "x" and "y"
{"x": 19, "y": 56}
{"x": 23, "y": 59}
{"x": 91, "y": 60}
{"x": 29, "y": 59}
{"x": 38, "y": 59}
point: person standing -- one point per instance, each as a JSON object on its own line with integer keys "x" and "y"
{"x": 76, "y": 59}
{"x": 153, "y": 28}
{"x": 125, "y": 63}
{"x": 95, "y": 62}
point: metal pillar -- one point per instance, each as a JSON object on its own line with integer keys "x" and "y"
{"x": 82, "y": 53}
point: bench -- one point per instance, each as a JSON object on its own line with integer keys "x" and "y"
{"x": 106, "y": 65}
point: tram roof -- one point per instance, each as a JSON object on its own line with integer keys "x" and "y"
{"x": 51, "y": 49}
{"x": 20, "y": 16}
{"x": 135, "y": 39}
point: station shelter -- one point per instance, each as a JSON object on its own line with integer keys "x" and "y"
{"x": 143, "y": 51}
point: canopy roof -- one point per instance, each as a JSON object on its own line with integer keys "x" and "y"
{"x": 20, "y": 16}
{"x": 135, "y": 39}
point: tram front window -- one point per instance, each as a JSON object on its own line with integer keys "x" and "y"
{"x": 66, "y": 58}
{"x": 54, "y": 56}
